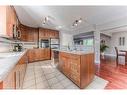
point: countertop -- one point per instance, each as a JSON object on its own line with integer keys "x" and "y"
{"x": 75, "y": 51}
{"x": 8, "y": 61}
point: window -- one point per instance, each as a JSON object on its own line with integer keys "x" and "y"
{"x": 88, "y": 42}
{"x": 122, "y": 41}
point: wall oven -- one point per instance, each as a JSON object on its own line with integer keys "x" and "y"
{"x": 54, "y": 43}
{"x": 44, "y": 43}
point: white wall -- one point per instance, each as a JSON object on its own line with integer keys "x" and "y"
{"x": 115, "y": 41}
{"x": 65, "y": 38}
{"x": 97, "y": 46}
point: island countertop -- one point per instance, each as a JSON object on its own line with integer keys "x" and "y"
{"x": 8, "y": 62}
{"x": 75, "y": 51}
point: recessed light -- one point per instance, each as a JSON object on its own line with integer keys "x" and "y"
{"x": 58, "y": 27}
{"x": 75, "y": 24}
{"x": 80, "y": 20}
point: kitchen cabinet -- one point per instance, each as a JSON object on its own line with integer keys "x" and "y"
{"x": 9, "y": 81}
{"x": 32, "y": 35}
{"x": 77, "y": 67}
{"x": 41, "y": 33}
{"x": 8, "y": 18}
{"x": 56, "y": 34}
{"x": 28, "y": 34}
{"x": 64, "y": 64}
{"x": 15, "y": 78}
{"x": 31, "y": 55}
{"x": 38, "y": 54}
{"x": 47, "y": 54}
{"x": 23, "y": 33}
{"x": 48, "y": 33}
{"x": 20, "y": 70}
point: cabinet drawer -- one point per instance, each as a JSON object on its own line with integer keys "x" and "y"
{"x": 75, "y": 68}
{"x": 75, "y": 78}
{"x": 75, "y": 56}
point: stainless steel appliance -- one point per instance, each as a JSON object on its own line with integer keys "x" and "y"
{"x": 44, "y": 43}
{"x": 54, "y": 43}
{"x": 55, "y": 57}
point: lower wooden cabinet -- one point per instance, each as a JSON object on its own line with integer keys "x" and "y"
{"x": 20, "y": 70}
{"x": 78, "y": 68}
{"x": 9, "y": 82}
{"x": 47, "y": 53}
{"x": 38, "y": 54}
{"x": 15, "y": 78}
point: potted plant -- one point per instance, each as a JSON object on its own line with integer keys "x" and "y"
{"x": 103, "y": 48}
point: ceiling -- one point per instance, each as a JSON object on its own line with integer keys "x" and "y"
{"x": 104, "y": 17}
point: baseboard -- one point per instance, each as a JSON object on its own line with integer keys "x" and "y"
{"x": 112, "y": 55}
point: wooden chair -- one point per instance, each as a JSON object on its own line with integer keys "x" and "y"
{"x": 119, "y": 54}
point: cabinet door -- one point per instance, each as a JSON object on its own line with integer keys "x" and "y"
{"x": 57, "y": 34}
{"x": 31, "y": 55}
{"x": 42, "y": 54}
{"x": 32, "y": 35}
{"x": 47, "y": 53}
{"x": 65, "y": 64}
{"x": 75, "y": 68}
{"x": 17, "y": 76}
{"x": 22, "y": 64}
{"x": 9, "y": 82}
{"x": 37, "y": 54}
{"x": 23, "y": 31}
{"x": 47, "y": 33}
{"x": 41, "y": 33}
{"x": 11, "y": 20}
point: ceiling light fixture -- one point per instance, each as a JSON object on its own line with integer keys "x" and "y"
{"x": 46, "y": 19}
{"x": 80, "y": 20}
{"x": 59, "y": 27}
{"x": 76, "y": 22}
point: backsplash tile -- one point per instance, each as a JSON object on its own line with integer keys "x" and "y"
{"x": 5, "y": 45}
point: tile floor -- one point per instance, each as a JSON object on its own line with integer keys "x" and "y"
{"x": 45, "y": 75}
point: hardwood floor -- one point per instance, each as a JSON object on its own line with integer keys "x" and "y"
{"x": 116, "y": 75}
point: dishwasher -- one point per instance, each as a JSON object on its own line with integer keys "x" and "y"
{"x": 55, "y": 57}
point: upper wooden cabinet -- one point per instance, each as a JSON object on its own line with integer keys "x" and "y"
{"x": 32, "y": 35}
{"x": 8, "y": 18}
{"x": 28, "y": 34}
{"x": 48, "y": 33}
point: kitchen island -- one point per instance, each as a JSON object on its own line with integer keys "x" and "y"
{"x": 77, "y": 66}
